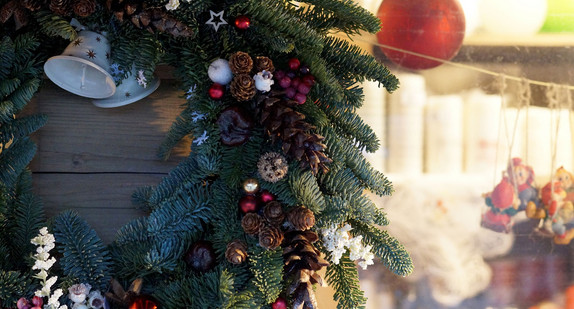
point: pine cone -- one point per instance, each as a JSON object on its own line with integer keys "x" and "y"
{"x": 301, "y": 218}
{"x": 283, "y": 123}
{"x": 236, "y": 252}
{"x": 273, "y": 213}
{"x": 302, "y": 262}
{"x": 272, "y": 167}
{"x": 150, "y": 19}
{"x": 14, "y": 9}
{"x": 270, "y": 237}
{"x": 242, "y": 87}
{"x": 264, "y": 63}
{"x": 34, "y": 5}
{"x": 240, "y": 62}
{"x": 84, "y": 8}
{"x": 61, "y": 7}
{"x": 252, "y": 223}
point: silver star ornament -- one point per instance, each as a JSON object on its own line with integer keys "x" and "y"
{"x": 216, "y": 23}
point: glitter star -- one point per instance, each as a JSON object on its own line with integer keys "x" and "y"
{"x": 77, "y": 42}
{"x": 91, "y": 54}
{"x": 216, "y": 23}
{"x": 128, "y": 94}
{"x": 98, "y": 39}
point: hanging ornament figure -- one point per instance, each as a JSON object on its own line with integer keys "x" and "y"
{"x": 521, "y": 176}
{"x": 501, "y": 206}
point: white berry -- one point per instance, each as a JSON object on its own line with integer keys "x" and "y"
{"x": 220, "y": 72}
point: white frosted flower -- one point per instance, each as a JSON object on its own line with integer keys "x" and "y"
{"x": 54, "y": 300}
{"x": 41, "y": 256}
{"x": 263, "y": 81}
{"x": 172, "y": 5}
{"x": 44, "y": 291}
{"x": 44, "y": 231}
{"x": 79, "y": 306}
{"x": 79, "y": 292}
{"x": 96, "y": 300}
{"x": 364, "y": 264}
{"x": 50, "y": 282}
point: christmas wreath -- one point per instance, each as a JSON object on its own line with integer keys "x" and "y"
{"x": 272, "y": 192}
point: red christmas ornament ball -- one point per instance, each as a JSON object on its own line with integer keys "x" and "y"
{"x": 280, "y": 303}
{"x": 266, "y": 196}
{"x": 247, "y": 204}
{"x": 431, "y": 27}
{"x": 216, "y": 91}
{"x": 143, "y": 302}
{"x": 242, "y": 22}
{"x": 294, "y": 64}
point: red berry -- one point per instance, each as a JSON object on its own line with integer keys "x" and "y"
{"x": 309, "y": 80}
{"x": 280, "y": 303}
{"x": 294, "y": 64}
{"x": 295, "y": 82}
{"x": 242, "y": 22}
{"x": 291, "y": 74}
{"x": 285, "y": 82}
{"x": 216, "y": 91}
{"x": 303, "y": 88}
{"x": 279, "y": 75}
{"x": 290, "y": 92}
{"x": 300, "y": 98}
{"x": 266, "y": 196}
{"x": 37, "y": 301}
{"x": 247, "y": 204}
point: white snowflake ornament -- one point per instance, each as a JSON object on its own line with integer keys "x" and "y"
{"x": 220, "y": 72}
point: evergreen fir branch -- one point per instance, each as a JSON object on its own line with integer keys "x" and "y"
{"x": 7, "y": 57}
{"x": 359, "y": 65}
{"x": 25, "y": 219}
{"x": 13, "y": 285}
{"x": 324, "y": 73}
{"x": 84, "y": 256}
{"x": 133, "y": 232}
{"x": 164, "y": 254}
{"x": 314, "y": 114}
{"x": 138, "y": 50}
{"x": 23, "y": 94}
{"x": 352, "y": 126}
{"x": 140, "y": 198}
{"x": 387, "y": 248}
{"x": 281, "y": 189}
{"x": 335, "y": 212}
{"x": 26, "y": 44}
{"x": 21, "y": 127}
{"x": 183, "y": 213}
{"x": 344, "y": 279}
{"x": 54, "y": 25}
{"x": 267, "y": 269}
{"x": 272, "y": 39}
{"x": 15, "y": 159}
{"x": 276, "y": 16}
{"x": 9, "y": 85}
{"x": 344, "y": 16}
{"x": 180, "y": 128}
{"x": 306, "y": 189}
{"x": 226, "y": 227}
{"x": 353, "y": 96}
{"x": 240, "y": 162}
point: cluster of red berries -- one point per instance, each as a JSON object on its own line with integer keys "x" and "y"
{"x": 297, "y": 82}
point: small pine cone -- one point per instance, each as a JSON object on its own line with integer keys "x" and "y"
{"x": 33, "y": 5}
{"x": 273, "y": 213}
{"x": 236, "y": 252}
{"x": 272, "y": 167}
{"x": 264, "y": 63}
{"x": 243, "y": 87}
{"x": 301, "y": 218}
{"x": 61, "y": 7}
{"x": 84, "y": 8}
{"x": 270, "y": 237}
{"x": 252, "y": 223}
{"x": 240, "y": 62}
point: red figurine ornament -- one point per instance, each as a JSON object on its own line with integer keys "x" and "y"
{"x": 433, "y": 27}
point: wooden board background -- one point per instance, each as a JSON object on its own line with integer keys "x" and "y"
{"x": 91, "y": 159}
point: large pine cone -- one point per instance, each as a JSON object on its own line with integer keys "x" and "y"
{"x": 242, "y": 87}
{"x": 283, "y": 123}
{"x": 61, "y": 7}
{"x": 16, "y": 10}
{"x": 151, "y": 19}
{"x": 301, "y": 218}
{"x": 236, "y": 252}
{"x": 264, "y": 64}
{"x": 34, "y": 5}
{"x": 84, "y": 8}
{"x": 240, "y": 62}
{"x": 273, "y": 213}
{"x": 302, "y": 261}
{"x": 270, "y": 237}
{"x": 252, "y": 223}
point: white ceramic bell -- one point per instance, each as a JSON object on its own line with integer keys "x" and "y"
{"x": 83, "y": 68}
{"x": 132, "y": 89}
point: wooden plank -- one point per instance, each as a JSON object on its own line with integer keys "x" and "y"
{"x": 82, "y": 138}
{"x": 104, "y": 200}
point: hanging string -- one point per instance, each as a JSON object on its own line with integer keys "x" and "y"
{"x": 457, "y": 64}
{"x": 552, "y": 94}
{"x": 501, "y": 119}
{"x": 525, "y": 98}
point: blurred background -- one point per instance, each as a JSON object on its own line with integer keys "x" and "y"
{"x": 446, "y": 137}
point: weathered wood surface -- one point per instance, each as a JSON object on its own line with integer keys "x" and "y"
{"x": 91, "y": 159}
